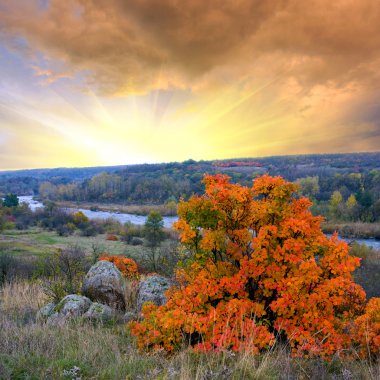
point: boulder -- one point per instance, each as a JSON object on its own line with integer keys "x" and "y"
{"x": 105, "y": 284}
{"x": 129, "y": 316}
{"x": 99, "y": 313}
{"x": 45, "y": 312}
{"x": 152, "y": 289}
{"x": 70, "y": 307}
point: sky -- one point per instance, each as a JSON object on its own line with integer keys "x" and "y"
{"x": 108, "y": 82}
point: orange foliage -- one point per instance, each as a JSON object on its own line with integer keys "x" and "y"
{"x": 112, "y": 238}
{"x": 261, "y": 270}
{"x": 367, "y": 330}
{"x": 126, "y": 266}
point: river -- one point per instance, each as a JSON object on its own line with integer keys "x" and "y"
{"x": 139, "y": 219}
{"x": 121, "y": 217}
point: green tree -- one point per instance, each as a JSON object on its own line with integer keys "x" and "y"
{"x": 10, "y": 200}
{"x": 154, "y": 233}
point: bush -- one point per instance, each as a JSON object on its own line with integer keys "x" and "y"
{"x": 7, "y": 267}
{"x": 112, "y": 238}
{"x": 89, "y": 229}
{"x": 130, "y": 231}
{"x": 65, "y": 229}
{"x": 64, "y": 271}
{"x": 261, "y": 270}
{"x": 367, "y": 330}
{"x": 52, "y": 218}
{"x": 136, "y": 241}
{"x": 111, "y": 226}
{"x": 12, "y": 267}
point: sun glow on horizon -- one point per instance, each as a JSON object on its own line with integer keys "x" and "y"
{"x": 197, "y": 82}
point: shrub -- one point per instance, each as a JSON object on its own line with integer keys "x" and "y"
{"x": 112, "y": 238}
{"x": 64, "y": 271}
{"x": 79, "y": 218}
{"x": 261, "y": 269}
{"x": 130, "y": 231}
{"x": 367, "y": 330}
{"x": 66, "y": 229}
{"x": 89, "y": 229}
{"x": 111, "y": 226}
{"x": 136, "y": 241}
{"x": 51, "y": 217}
{"x": 7, "y": 265}
{"x": 126, "y": 266}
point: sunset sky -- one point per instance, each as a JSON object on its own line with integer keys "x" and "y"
{"x": 106, "y": 82}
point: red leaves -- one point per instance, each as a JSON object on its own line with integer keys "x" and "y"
{"x": 261, "y": 267}
{"x": 112, "y": 238}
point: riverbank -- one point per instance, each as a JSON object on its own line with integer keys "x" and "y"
{"x": 143, "y": 210}
{"x": 355, "y": 230}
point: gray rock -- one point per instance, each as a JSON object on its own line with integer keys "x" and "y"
{"x": 152, "y": 289}
{"x": 70, "y": 307}
{"x": 99, "y": 312}
{"x": 105, "y": 284}
{"x": 45, "y": 312}
{"x": 129, "y": 316}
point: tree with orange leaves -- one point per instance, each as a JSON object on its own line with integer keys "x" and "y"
{"x": 261, "y": 271}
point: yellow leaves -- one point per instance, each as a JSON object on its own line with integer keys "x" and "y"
{"x": 187, "y": 233}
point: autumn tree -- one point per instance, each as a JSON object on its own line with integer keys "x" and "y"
{"x": 336, "y": 203}
{"x": 47, "y": 191}
{"x": 261, "y": 271}
{"x": 309, "y": 186}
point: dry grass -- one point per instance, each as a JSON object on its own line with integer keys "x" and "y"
{"x": 358, "y": 230}
{"x": 130, "y": 295}
{"x": 32, "y": 350}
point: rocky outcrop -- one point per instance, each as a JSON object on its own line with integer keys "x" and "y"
{"x": 70, "y": 307}
{"x": 129, "y": 316}
{"x": 152, "y": 289}
{"x": 99, "y": 313}
{"x": 105, "y": 284}
{"x": 45, "y": 312}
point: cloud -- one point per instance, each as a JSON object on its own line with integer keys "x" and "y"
{"x": 129, "y": 46}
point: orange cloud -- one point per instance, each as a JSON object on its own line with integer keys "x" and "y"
{"x": 140, "y": 45}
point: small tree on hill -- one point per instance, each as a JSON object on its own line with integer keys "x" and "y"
{"x": 154, "y": 233}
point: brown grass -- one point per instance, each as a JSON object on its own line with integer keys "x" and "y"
{"x": 33, "y": 350}
{"x": 353, "y": 230}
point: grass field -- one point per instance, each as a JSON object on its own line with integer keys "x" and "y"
{"x": 36, "y": 242}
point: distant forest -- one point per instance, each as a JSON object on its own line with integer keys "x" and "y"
{"x": 343, "y": 186}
